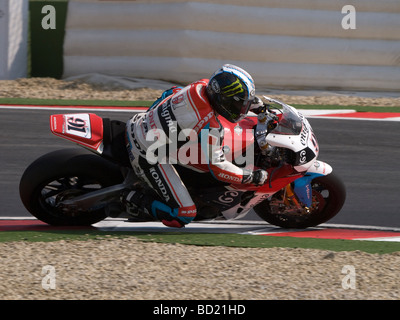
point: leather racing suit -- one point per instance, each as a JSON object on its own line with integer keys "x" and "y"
{"x": 183, "y": 108}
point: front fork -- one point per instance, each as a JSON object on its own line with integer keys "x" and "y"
{"x": 302, "y": 187}
{"x": 300, "y": 194}
{"x": 298, "y": 198}
{"x": 290, "y": 197}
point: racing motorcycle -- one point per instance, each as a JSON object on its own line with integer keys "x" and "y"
{"x": 82, "y": 186}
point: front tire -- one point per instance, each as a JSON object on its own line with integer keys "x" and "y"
{"x": 329, "y": 194}
{"x": 65, "y": 174}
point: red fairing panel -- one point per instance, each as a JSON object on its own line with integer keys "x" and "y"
{"x": 85, "y": 129}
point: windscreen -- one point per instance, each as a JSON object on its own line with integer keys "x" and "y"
{"x": 290, "y": 123}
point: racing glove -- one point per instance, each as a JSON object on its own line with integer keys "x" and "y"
{"x": 257, "y": 177}
{"x": 256, "y": 105}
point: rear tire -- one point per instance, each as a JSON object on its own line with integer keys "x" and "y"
{"x": 329, "y": 194}
{"x": 65, "y": 174}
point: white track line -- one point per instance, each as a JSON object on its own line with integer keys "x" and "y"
{"x": 222, "y": 224}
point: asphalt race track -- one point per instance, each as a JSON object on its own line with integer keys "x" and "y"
{"x": 366, "y": 154}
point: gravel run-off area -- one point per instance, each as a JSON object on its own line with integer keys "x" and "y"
{"x": 48, "y": 88}
{"x": 132, "y": 269}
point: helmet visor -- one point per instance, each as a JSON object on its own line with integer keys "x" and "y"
{"x": 237, "y": 109}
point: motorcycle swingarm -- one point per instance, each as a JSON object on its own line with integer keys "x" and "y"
{"x": 98, "y": 198}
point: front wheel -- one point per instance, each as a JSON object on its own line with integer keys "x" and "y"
{"x": 328, "y": 196}
{"x": 65, "y": 174}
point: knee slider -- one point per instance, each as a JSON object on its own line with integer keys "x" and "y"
{"x": 162, "y": 211}
{"x": 187, "y": 214}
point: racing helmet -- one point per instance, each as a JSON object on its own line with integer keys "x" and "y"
{"x": 231, "y": 92}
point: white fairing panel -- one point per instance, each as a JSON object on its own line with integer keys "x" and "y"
{"x": 320, "y": 167}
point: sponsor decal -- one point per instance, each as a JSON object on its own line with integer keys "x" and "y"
{"x": 151, "y": 120}
{"x": 187, "y": 211}
{"x": 159, "y": 183}
{"x": 308, "y": 191}
{"x": 135, "y": 142}
{"x": 178, "y": 102}
{"x": 168, "y": 117}
{"x": 215, "y": 86}
{"x": 304, "y": 135}
{"x": 314, "y": 141}
{"x": 233, "y": 89}
{"x": 177, "y": 99}
{"x": 78, "y": 125}
{"x": 203, "y": 121}
{"x": 303, "y": 156}
{"x": 226, "y": 176}
{"x": 317, "y": 166}
{"x": 228, "y": 196}
{"x": 55, "y": 123}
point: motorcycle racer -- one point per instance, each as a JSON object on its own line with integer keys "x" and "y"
{"x": 230, "y": 93}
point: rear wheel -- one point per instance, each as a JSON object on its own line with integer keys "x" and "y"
{"x": 328, "y": 196}
{"x": 63, "y": 175}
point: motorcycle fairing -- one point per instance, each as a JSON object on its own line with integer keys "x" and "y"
{"x": 85, "y": 129}
{"x": 279, "y": 179}
{"x": 224, "y": 197}
{"x": 293, "y": 132}
{"x": 302, "y": 186}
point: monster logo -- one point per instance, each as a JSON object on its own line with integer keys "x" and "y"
{"x": 232, "y": 89}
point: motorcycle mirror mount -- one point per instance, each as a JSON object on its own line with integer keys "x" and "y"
{"x": 270, "y": 102}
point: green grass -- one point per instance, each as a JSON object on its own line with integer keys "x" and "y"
{"x": 49, "y": 236}
{"x": 257, "y": 241}
{"x": 206, "y": 239}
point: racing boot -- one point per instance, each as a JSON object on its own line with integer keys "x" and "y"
{"x": 143, "y": 207}
{"x": 137, "y": 206}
